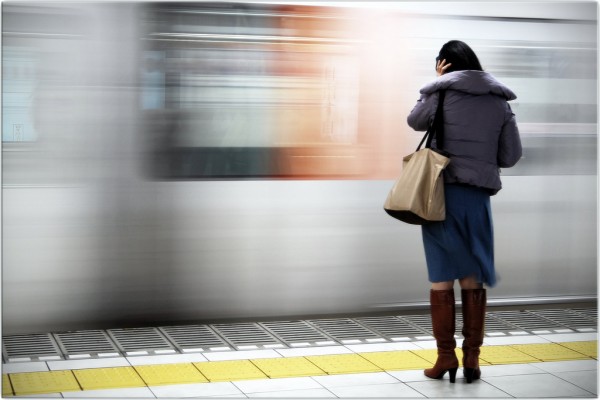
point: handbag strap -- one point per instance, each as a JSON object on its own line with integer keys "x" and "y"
{"x": 437, "y": 126}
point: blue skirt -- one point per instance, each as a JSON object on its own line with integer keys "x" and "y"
{"x": 463, "y": 244}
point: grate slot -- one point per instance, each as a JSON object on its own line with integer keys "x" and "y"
{"x": 196, "y": 337}
{"x": 30, "y": 347}
{"x": 294, "y": 332}
{"x": 139, "y": 340}
{"x": 245, "y": 334}
{"x": 85, "y": 342}
{"x": 391, "y": 327}
{"x": 344, "y": 329}
{"x": 566, "y": 318}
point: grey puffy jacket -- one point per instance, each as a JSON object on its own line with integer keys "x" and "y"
{"x": 480, "y": 131}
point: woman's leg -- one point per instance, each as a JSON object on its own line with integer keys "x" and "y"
{"x": 469, "y": 282}
{"x": 442, "y": 285}
{"x": 443, "y": 314}
{"x": 473, "y": 307}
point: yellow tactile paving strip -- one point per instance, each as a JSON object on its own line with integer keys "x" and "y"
{"x": 235, "y": 370}
{"x": 288, "y": 367}
{"x": 44, "y": 382}
{"x": 550, "y": 352}
{"x": 397, "y": 360}
{"x": 32, "y": 383}
{"x": 107, "y": 378}
{"x": 6, "y": 386}
{"x": 590, "y": 349}
{"x": 505, "y": 355}
{"x": 343, "y": 364}
{"x": 169, "y": 374}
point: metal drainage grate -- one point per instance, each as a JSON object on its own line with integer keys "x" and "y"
{"x": 346, "y": 331}
{"x": 141, "y": 341}
{"x": 392, "y": 328}
{"x": 421, "y": 321}
{"x": 82, "y": 344}
{"x": 30, "y": 347}
{"x": 297, "y": 333}
{"x": 526, "y": 321}
{"x": 459, "y": 321}
{"x": 194, "y": 338}
{"x": 495, "y": 324}
{"x": 247, "y": 336}
{"x": 591, "y": 313}
{"x": 566, "y": 318}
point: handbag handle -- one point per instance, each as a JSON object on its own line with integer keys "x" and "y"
{"x": 437, "y": 126}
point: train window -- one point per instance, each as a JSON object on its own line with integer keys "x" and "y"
{"x": 249, "y": 94}
{"x": 153, "y": 81}
{"x": 42, "y": 92}
{"x": 19, "y": 65}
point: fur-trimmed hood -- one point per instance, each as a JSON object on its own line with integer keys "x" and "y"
{"x": 472, "y": 82}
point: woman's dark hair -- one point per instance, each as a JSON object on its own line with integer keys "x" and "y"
{"x": 460, "y": 55}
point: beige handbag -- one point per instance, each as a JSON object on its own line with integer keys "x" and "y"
{"x": 418, "y": 195}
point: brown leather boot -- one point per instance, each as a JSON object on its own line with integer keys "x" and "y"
{"x": 473, "y": 308}
{"x": 442, "y": 317}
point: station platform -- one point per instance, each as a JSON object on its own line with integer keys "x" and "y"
{"x": 527, "y": 352}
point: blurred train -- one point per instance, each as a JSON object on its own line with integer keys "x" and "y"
{"x": 175, "y": 162}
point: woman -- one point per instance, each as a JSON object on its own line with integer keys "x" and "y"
{"x": 480, "y": 136}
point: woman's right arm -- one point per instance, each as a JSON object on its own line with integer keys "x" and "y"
{"x": 423, "y": 113}
{"x": 509, "y": 144}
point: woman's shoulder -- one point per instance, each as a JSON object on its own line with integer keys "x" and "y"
{"x": 471, "y": 82}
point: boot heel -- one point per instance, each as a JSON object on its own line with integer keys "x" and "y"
{"x": 452, "y": 372}
{"x": 469, "y": 373}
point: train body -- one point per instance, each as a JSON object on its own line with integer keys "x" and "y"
{"x": 176, "y": 162}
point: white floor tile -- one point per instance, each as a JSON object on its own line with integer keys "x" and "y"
{"x": 387, "y": 390}
{"x": 444, "y": 389}
{"x": 142, "y": 392}
{"x": 314, "y": 351}
{"x": 15, "y": 368}
{"x": 45, "y": 395}
{"x": 571, "y": 337}
{"x": 374, "y": 347}
{"x": 494, "y": 334}
{"x": 276, "y": 385}
{"x": 88, "y": 363}
{"x": 426, "y": 337}
{"x": 567, "y": 366}
{"x": 288, "y": 394}
{"x": 167, "y": 359}
{"x": 196, "y": 390}
{"x": 241, "y": 355}
{"x": 426, "y": 344}
{"x": 508, "y": 370}
{"x": 508, "y": 340}
{"x": 413, "y": 375}
{"x": 404, "y": 346}
{"x": 587, "y": 380}
{"x": 376, "y": 378}
{"x": 539, "y": 385}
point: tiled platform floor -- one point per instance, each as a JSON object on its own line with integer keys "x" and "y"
{"x": 520, "y": 366}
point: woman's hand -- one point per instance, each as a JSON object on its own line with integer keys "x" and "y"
{"x": 441, "y": 67}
